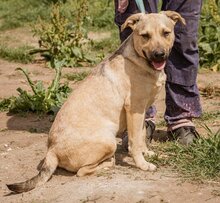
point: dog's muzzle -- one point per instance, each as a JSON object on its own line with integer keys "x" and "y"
{"x": 157, "y": 59}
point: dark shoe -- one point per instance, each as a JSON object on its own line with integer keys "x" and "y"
{"x": 150, "y": 127}
{"x": 184, "y": 135}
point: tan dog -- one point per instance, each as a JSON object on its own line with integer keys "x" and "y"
{"x": 112, "y": 99}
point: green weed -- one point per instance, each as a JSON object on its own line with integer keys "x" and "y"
{"x": 41, "y": 100}
{"x": 63, "y": 40}
{"x": 4, "y": 104}
{"x": 209, "y": 40}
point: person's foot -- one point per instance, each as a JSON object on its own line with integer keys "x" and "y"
{"x": 184, "y": 135}
{"x": 150, "y": 127}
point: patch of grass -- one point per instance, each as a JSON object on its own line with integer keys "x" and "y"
{"x": 101, "y": 15}
{"x": 106, "y": 46}
{"x": 209, "y": 116}
{"x": 15, "y": 13}
{"x": 199, "y": 161}
{"x": 76, "y": 76}
{"x": 20, "y": 54}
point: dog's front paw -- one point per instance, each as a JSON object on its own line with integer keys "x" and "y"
{"x": 148, "y": 167}
{"x": 152, "y": 167}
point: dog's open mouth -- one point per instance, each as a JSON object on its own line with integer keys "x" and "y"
{"x": 158, "y": 65}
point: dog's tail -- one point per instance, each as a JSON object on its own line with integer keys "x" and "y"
{"x": 49, "y": 166}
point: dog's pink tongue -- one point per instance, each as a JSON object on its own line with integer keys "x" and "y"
{"x": 159, "y": 65}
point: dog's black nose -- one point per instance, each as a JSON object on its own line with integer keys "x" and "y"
{"x": 159, "y": 55}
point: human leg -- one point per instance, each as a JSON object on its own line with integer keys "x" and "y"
{"x": 182, "y": 104}
{"x": 182, "y": 95}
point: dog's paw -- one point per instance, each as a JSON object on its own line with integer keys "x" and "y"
{"x": 152, "y": 167}
{"x": 148, "y": 167}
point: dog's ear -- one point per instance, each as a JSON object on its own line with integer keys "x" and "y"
{"x": 131, "y": 21}
{"x": 174, "y": 16}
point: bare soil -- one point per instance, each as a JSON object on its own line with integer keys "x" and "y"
{"x": 23, "y": 140}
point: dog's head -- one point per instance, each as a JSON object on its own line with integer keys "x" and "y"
{"x": 153, "y": 35}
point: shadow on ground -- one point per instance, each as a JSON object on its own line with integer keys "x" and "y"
{"x": 29, "y": 122}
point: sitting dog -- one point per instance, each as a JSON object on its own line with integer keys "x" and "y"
{"x": 113, "y": 98}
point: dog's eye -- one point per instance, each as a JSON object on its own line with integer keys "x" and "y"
{"x": 145, "y": 36}
{"x": 166, "y": 33}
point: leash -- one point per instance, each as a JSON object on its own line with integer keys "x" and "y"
{"x": 140, "y": 5}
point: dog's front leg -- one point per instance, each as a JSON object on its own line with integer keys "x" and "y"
{"x": 135, "y": 127}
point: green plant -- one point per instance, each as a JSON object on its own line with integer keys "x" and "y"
{"x": 63, "y": 40}
{"x": 209, "y": 40}
{"x": 42, "y": 100}
{"x": 57, "y": 40}
{"x": 4, "y": 104}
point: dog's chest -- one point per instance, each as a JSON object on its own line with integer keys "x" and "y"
{"x": 154, "y": 89}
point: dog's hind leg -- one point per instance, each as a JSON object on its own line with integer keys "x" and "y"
{"x": 86, "y": 170}
{"x": 89, "y": 169}
{"x": 99, "y": 159}
{"x": 107, "y": 163}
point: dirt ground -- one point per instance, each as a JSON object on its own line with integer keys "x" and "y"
{"x": 23, "y": 140}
